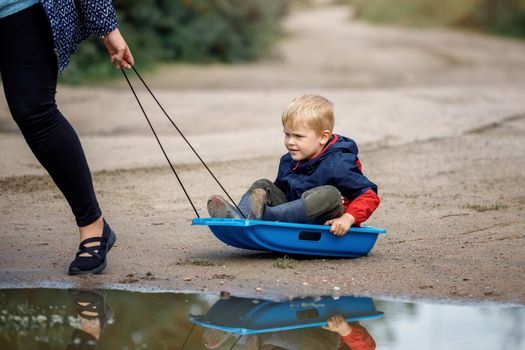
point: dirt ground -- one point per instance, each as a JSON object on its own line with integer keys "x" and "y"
{"x": 440, "y": 120}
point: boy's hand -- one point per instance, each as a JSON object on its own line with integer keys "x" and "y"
{"x": 341, "y": 225}
{"x": 338, "y": 324}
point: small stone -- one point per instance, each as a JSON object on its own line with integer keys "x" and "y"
{"x": 258, "y": 289}
{"x": 187, "y": 279}
{"x": 305, "y": 283}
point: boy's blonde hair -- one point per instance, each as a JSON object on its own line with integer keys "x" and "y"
{"x": 313, "y": 111}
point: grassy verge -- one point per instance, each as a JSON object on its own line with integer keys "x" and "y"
{"x": 482, "y": 208}
{"x": 503, "y": 17}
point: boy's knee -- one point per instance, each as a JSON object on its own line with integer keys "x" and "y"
{"x": 327, "y": 193}
{"x": 323, "y": 203}
{"x": 327, "y": 197}
{"x": 261, "y": 183}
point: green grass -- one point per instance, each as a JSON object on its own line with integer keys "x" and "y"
{"x": 413, "y": 12}
{"x": 197, "y": 262}
{"x": 502, "y": 17}
{"x": 284, "y": 263}
{"x": 483, "y": 208}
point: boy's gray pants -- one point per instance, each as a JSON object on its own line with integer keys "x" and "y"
{"x": 316, "y": 205}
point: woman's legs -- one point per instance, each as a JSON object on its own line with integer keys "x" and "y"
{"x": 29, "y": 74}
{"x": 28, "y": 66}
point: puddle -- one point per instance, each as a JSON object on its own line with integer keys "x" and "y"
{"x": 108, "y": 319}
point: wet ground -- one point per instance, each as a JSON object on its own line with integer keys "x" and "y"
{"x": 89, "y": 319}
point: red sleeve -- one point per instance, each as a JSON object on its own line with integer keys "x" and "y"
{"x": 363, "y": 206}
{"x": 359, "y": 339}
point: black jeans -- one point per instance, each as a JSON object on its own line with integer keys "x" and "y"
{"x": 29, "y": 69}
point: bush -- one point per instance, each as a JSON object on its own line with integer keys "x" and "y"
{"x": 413, "y": 12}
{"x": 202, "y": 31}
{"x": 505, "y": 17}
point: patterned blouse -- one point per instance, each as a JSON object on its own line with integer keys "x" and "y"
{"x": 73, "y": 21}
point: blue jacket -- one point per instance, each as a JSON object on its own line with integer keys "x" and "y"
{"x": 73, "y": 21}
{"x": 337, "y": 165}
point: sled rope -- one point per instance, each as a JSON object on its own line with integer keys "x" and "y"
{"x": 187, "y": 337}
{"x": 181, "y": 134}
{"x": 236, "y": 341}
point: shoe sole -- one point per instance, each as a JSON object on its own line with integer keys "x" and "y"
{"x": 97, "y": 270}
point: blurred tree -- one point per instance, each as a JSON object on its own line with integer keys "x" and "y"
{"x": 505, "y": 17}
{"x": 201, "y": 31}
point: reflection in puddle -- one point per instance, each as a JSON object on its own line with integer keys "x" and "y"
{"x": 95, "y": 319}
{"x": 310, "y": 323}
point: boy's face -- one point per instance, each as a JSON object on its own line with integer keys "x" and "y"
{"x": 304, "y": 142}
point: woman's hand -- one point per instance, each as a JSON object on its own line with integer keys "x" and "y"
{"x": 118, "y": 50}
{"x": 341, "y": 225}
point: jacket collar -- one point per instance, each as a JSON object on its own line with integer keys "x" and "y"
{"x": 306, "y": 164}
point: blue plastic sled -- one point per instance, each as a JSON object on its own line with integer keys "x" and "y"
{"x": 247, "y": 316}
{"x": 291, "y": 238}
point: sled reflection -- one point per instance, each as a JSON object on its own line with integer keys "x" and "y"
{"x": 311, "y": 323}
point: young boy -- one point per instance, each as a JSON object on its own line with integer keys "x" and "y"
{"x": 320, "y": 180}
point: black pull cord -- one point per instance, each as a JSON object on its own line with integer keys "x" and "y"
{"x": 162, "y": 148}
{"x": 187, "y": 337}
{"x": 185, "y": 139}
{"x": 236, "y": 341}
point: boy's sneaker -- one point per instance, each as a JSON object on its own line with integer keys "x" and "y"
{"x": 219, "y": 207}
{"x": 256, "y": 202}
